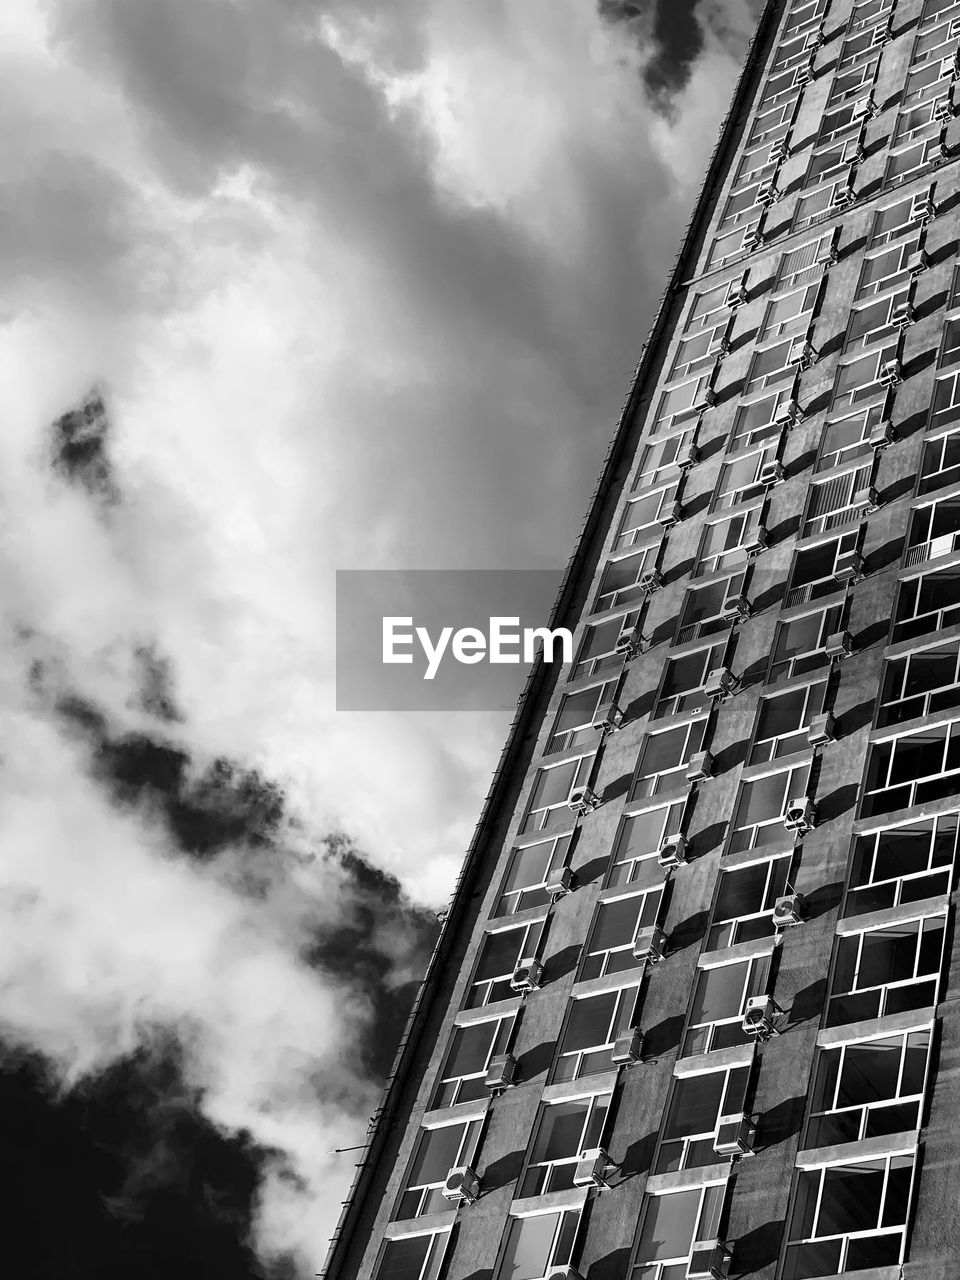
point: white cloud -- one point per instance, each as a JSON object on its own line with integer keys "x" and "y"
{"x": 368, "y": 310}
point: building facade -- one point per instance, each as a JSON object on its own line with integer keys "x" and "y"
{"x": 694, "y": 1010}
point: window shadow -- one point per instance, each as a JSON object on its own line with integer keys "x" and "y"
{"x": 731, "y": 756}
{"x": 536, "y": 1060}
{"x": 886, "y": 555}
{"x": 780, "y": 1122}
{"x": 643, "y": 705}
{"x": 696, "y": 505}
{"x": 612, "y": 1267}
{"x": 854, "y": 719}
{"x": 663, "y": 1037}
{"x": 758, "y": 1248}
{"x": 807, "y": 1003}
{"x": 561, "y": 963}
{"x": 688, "y": 932}
{"x": 502, "y": 1172}
{"x": 591, "y": 871}
{"x": 836, "y": 802}
{"x": 708, "y": 839}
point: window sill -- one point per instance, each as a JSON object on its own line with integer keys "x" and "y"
{"x": 911, "y": 1020}
{"x": 894, "y": 915}
{"x": 572, "y": 1199}
{"x": 658, "y": 1183}
{"x": 487, "y": 1012}
{"x": 421, "y": 1226}
{"x": 893, "y": 1144}
{"x": 740, "y": 951}
{"x": 584, "y": 1087}
{"x": 475, "y": 1110}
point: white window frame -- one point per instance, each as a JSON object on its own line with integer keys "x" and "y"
{"x": 564, "y": 1236}
{"x": 574, "y": 1064}
{"x": 584, "y": 667}
{"x": 806, "y": 592}
{"x": 556, "y": 814}
{"x": 864, "y": 418}
{"x": 732, "y": 1101}
{"x": 883, "y": 327}
{"x": 483, "y": 991}
{"x": 858, "y": 379}
{"x": 582, "y": 733}
{"x": 900, "y": 673}
{"x": 596, "y": 1107}
{"x": 830, "y": 616}
{"x": 502, "y": 1032}
{"x": 741, "y": 528}
{"x": 511, "y": 900}
{"x": 930, "y": 620}
{"x": 709, "y": 1211}
{"x": 701, "y": 1037}
{"x": 671, "y": 704}
{"x": 942, "y": 544}
{"x": 430, "y": 1200}
{"x": 739, "y": 478}
{"x": 723, "y": 933}
{"x": 847, "y": 490}
{"x": 778, "y": 745}
{"x": 690, "y": 403}
{"x": 628, "y": 538}
{"x": 606, "y": 960}
{"x": 906, "y": 792}
{"x": 768, "y": 831}
{"x": 644, "y": 786}
{"x": 878, "y": 891}
{"x": 638, "y": 869}
{"x": 932, "y": 979}
{"x": 434, "y": 1259}
{"x": 715, "y": 623}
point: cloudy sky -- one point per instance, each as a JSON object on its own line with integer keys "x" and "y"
{"x": 354, "y": 285}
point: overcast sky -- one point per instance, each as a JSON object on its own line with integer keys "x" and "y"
{"x": 362, "y": 285}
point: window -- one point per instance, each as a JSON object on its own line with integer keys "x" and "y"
{"x": 894, "y": 221}
{"x": 747, "y": 895}
{"x": 574, "y": 723}
{"x": 672, "y": 1224}
{"x": 593, "y": 1026}
{"x": 848, "y": 1217}
{"x": 835, "y": 502}
{"x": 849, "y": 84}
{"x": 770, "y": 366}
{"x": 739, "y": 480}
{"x": 916, "y": 122}
{"x": 658, "y": 460}
{"x": 730, "y": 245}
{"x": 664, "y": 758}
{"x": 870, "y": 1089}
{"x": 702, "y": 614}
{"x": 757, "y": 163}
{"x": 729, "y": 542}
{"x": 950, "y": 350}
{"x": 790, "y": 53}
{"x": 903, "y": 163}
{"x": 740, "y": 207}
{"x": 598, "y": 647}
{"x": 873, "y": 323}
{"x": 620, "y": 582}
{"x": 869, "y": 12}
{"x": 928, "y": 603}
{"x": 756, "y": 421}
{"x": 719, "y": 999}
{"x": 412, "y": 1257}
{"x": 770, "y": 123}
{"x": 758, "y": 820}
{"x": 438, "y": 1150}
{"x": 934, "y": 9}
{"x": 805, "y": 264}
{"x": 563, "y": 1130}
{"x": 814, "y": 570}
{"x": 682, "y": 687}
{"x": 931, "y": 80}
{"x": 859, "y": 379}
{"x": 778, "y": 88}
{"x": 848, "y": 438}
{"x": 920, "y": 683}
{"x": 912, "y": 769}
{"x": 698, "y": 352}
{"x": 836, "y": 123}
{"x": 887, "y": 970}
{"x": 634, "y": 859}
{"x": 946, "y": 400}
{"x": 831, "y": 161}
{"x": 468, "y": 1057}
{"x": 696, "y": 1105}
{"x": 798, "y": 646}
{"x": 528, "y": 872}
{"x": 500, "y": 953}
{"x": 681, "y": 402}
{"x": 783, "y": 722}
{"x": 901, "y": 864}
{"x": 789, "y": 313}
{"x": 813, "y": 206}
{"x": 935, "y": 43}
{"x": 536, "y": 1242}
{"x": 933, "y": 531}
{"x": 806, "y": 15}
{"x": 615, "y": 927}
{"x": 854, "y": 48}
{"x": 639, "y": 521}
{"x": 547, "y": 808}
{"x": 887, "y": 269}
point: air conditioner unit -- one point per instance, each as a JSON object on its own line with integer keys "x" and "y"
{"x": 838, "y": 645}
{"x": 527, "y": 975}
{"x": 753, "y": 239}
{"x": 737, "y": 294}
{"x": 608, "y": 717}
{"x": 903, "y": 315}
{"x": 803, "y": 74}
{"x": 501, "y": 1072}
{"x": 559, "y": 882}
{"x": 708, "y": 1260}
{"x": 627, "y": 1049}
{"x": 768, "y": 193}
{"x": 941, "y": 149}
{"x": 843, "y": 196}
{"x": 788, "y": 911}
{"x": 891, "y": 373}
{"x": 788, "y": 414}
{"x": 944, "y": 110}
{"x": 780, "y": 151}
{"x": 673, "y": 852}
{"x": 735, "y": 609}
{"x": 670, "y": 515}
{"x": 830, "y": 256}
{"x": 771, "y": 473}
{"x": 687, "y": 457}
{"x": 918, "y": 262}
{"x": 923, "y": 208}
{"x": 868, "y": 498}
{"x": 849, "y": 567}
{"x": 803, "y": 354}
{"x": 699, "y": 767}
{"x": 734, "y": 1136}
{"x": 821, "y": 730}
{"x": 759, "y": 1017}
{"x": 583, "y": 800}
{"x": 882, "y": 35}
{"x": 563, "y": 1273}
{"x": 630, "y": 642}
{"x": 650, "y": 581}
{"x": 720, "y": 683}
{"x": 881, "y": 435}
{"x": 800, "y": 815}
{"x": 591, "y": 1168}
{"x": 756, "y": 544}
{"x": 865, "y": 109}
{"x": 462, "y": 1185}
{"x": 650, "y": 944}
{"x": 815, "y": 40}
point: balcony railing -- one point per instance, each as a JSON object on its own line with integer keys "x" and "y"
{"x": 939, "y": 546}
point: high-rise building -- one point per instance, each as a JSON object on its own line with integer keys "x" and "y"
{"x": 696, "y": 1011}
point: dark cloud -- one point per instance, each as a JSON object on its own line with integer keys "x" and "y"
{"x": 677, "y": 37}
{"x": 80, "y": 451}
